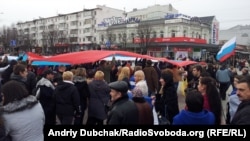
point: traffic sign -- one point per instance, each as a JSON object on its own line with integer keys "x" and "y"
{"x": 13, "y": 43}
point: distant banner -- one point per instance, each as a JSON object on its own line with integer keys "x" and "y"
{"x": 180, "y": 55}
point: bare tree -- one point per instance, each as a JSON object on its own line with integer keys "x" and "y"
{"x": 144, "y": 31}
{"x": 9, "y": 38}
{"x": 62, "y": 37}
{"x": 52, "y": 37}
{"x": 5, "y": 39}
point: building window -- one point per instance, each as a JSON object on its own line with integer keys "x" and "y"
{"x": 114, "y": 37}
{"x": 184, "y": 33}
{"x": 162, "y": 34}
{"x": 102, "y": 38}
{"x": 124, "y": 37}
{"x": 109, "y": 37}
{"x": 154, "y": 34}
{"x": 205, "y": 36}
{"x": 142, "y": 35}
{"x": 132, "y": 37}
{"x": 119, "y": 37}
{"x": 89, "y": 38}
{"x": 197, "y": 35}
{"x": 192, "y": 34}
{"x": 173, "y": 33}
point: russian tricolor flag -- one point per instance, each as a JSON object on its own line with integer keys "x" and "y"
{"x": 226, "y": 50}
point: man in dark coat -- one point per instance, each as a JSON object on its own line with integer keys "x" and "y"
{"x": 151, "y": 77}
{"x": 46, "y": 96}
{"x": 123, "y": 110}
{"x": 196, "y": 71}
{"x": 242, "y": 114}
{"x": 31, "y": 79}
{"x": 7, "y": 73}
{"x": 20, "y": 75}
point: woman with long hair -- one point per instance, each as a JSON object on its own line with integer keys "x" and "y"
{"x": 212, "y": 100}
{"x": 125, "y": 75}
{"x": 167, "y": 99}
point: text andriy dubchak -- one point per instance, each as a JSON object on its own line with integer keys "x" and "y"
{"x": 121, "y": 132}
{"x": 84, "y": 132}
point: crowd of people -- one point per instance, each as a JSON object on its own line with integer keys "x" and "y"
{"x": 117, "y": 92}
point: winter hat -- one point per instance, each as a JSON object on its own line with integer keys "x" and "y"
{"x": 136, "y": 92}
{"x": 120, "y": 86}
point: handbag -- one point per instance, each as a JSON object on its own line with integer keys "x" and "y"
{"x": 163, "y": 120}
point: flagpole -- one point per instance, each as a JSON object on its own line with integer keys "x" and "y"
{"x": 233, "y": 59}
{"x": 234, "y": 54}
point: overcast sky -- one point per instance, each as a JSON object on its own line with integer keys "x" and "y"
{"x": 228, "y": 12}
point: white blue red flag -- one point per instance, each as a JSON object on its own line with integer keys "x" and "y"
{"x": 227, "y": 50}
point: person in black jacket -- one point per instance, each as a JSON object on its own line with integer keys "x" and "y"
{"x": 7, "y": 73}
{"x": 98, "y": 100}
{"x": 167, "y": 99}
{"x": 58, "y": 75}
{"x": 46, "y": 96}
{"x": 31, "y": 79}
{"x": 80, "y": 81}
{"x": 123, "y": 110}
{"x": 67, "y": 100}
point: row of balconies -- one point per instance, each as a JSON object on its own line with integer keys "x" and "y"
{"x": 53, "y": 27}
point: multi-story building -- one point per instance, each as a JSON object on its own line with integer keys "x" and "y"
{"x": 64, "y": 32}
{"x": 157, "y": 30}
{"x": 161, "y": 32}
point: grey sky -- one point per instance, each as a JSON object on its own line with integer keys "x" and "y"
{"x": 228, "y": 12}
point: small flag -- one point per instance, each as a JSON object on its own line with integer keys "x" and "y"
{"x": 227, "y": 50}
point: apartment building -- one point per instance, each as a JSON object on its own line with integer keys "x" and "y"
{"x": 64, "y": 32}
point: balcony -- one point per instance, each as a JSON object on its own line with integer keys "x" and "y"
{"x": 87, "y": 26}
